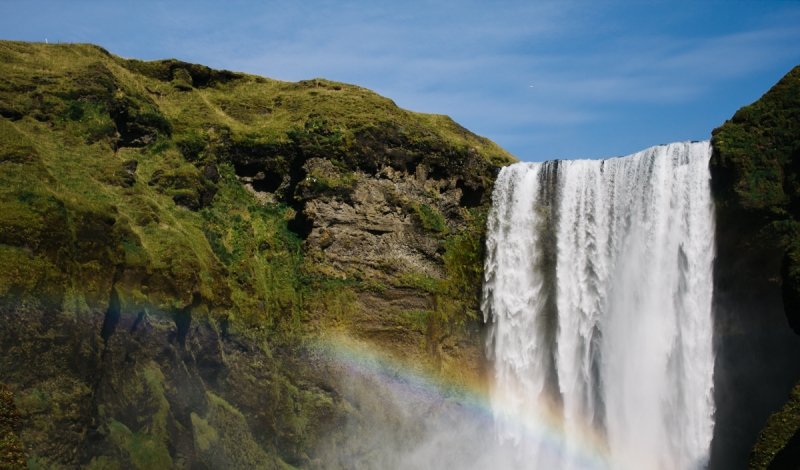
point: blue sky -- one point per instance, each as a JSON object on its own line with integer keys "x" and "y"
{"x": 545, "y": 80}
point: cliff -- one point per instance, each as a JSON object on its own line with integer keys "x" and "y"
{"x": 755, "y": 178}
{"x": 178, "y": 245}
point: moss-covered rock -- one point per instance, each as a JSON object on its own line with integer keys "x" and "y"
{"x": 12, "y": 451}
{"x": 173, "y": 239}
{"x": 778, "y": 444}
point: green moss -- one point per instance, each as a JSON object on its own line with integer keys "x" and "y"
{"x": 335, "y": 302}
{"x": 419, "y": 281}
{"x": 60, "y": 146}
{"x": 324, "y": 184}
{"x": 414, "y": 319}
{"x": 223, "y": 439}
{"x": 455, "y": 297}
{"x": 145, "y": 451}
{"x": 263, "y": 256}
{"x": 430, "y": 218}
{"x": 779, "y": 428}
{"x": 205, "y": 436}
{"x": 463, "y": 261}
{"x": 148, "y": 446}
{"x": 12, "y": 451}
{"x": 103, "y": 463}
{"x": 757, "y": 150}
{"x": 182, "y": 79}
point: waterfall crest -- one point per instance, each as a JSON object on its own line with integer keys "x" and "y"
{"x": 598, "y": 285}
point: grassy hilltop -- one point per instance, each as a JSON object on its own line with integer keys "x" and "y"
{"x": 111, "y": 163}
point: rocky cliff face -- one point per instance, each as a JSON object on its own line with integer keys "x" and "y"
{"x": 179, "y": 246}
{"x": 755, "y": 168}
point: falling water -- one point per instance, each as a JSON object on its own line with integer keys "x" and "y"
{"x": 598, "y": 289}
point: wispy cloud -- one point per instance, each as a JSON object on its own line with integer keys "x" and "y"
{"x": 546, "y": 68}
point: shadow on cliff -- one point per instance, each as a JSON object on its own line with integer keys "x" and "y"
{"x": 756, "y": 350}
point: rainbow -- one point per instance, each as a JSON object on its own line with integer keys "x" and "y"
{"x": 511, "y": 426}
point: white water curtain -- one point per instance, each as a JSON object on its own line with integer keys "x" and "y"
{"x": 598, "y": 287}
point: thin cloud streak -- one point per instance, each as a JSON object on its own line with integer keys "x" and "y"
{"x": 589, "y": 73}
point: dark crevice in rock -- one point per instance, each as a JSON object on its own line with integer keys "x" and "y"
{"x": 405, "y": 164}
{"x": 136, "y": 322}
{"x": 257, "y": 165}
{"x": 377, "y": 232}
{"x": 183, "y": 320}
{"x": 223, "y": 329}
{"x": 12, "y": 114}
{"x": 210, "y": 172}
{"x": 270, "y": 182}
{"x": 470, "y": 197}
{"x": 438, "y": 173}
{"x": 112, "y": 316}
{"x": 301, "y": 224}
{"x": 247, "y": 170}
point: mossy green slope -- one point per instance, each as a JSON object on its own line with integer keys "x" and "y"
{"x": 122, "y": 148}
{"x": 147, "y": 295}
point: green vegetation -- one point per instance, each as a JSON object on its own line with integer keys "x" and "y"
{"x": 12, "y": 452}
{"x": 780, "y": 428}
{"x": 122, "y": 201}
{"x": 430, "y": 218}
{"x": 455, "y": 297}
{"x": 756, "y": 151}
{"x": 144, "y": 153}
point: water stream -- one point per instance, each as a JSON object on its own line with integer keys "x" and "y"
{"x": 598, "y": 286}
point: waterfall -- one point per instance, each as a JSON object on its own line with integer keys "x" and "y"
{"x": 598, "y": 284}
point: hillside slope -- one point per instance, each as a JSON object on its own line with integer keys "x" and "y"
{"x": 175, "y": 242}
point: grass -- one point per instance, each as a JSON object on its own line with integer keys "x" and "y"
{"x": 91, "y": 140}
